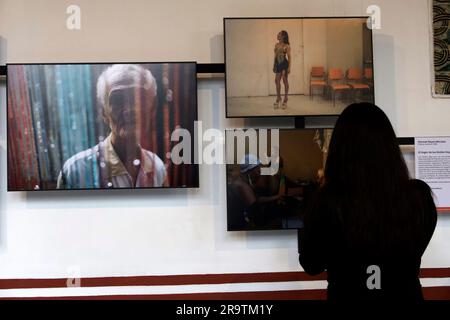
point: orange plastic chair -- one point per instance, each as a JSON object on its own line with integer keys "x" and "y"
{"x": 335, "y": 83}
{"x": 368, "y": 77}
{"x": 317, "y": 80}
{"x": 355, "y": 80}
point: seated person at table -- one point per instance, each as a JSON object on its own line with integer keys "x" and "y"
{"x": 247, "y": 208}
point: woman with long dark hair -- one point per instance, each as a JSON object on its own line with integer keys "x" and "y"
{"x": 370, "y": 223}
{"x": 282, "y": 67}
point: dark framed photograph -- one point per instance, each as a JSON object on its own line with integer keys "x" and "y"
{"x": 261, "y": 201}
{"x": 99, "y": 125}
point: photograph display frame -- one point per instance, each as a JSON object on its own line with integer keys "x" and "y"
{"x": 195, "y": 167}
{"x": 323, "y": 149}
{"x": 226, "y": 74}
{"x": 406, "y": 145}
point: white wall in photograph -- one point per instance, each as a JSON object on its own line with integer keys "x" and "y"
{"x": 251, "y": 76}
{"x": 323, "y": 43}
{"x": 315, "y": 46}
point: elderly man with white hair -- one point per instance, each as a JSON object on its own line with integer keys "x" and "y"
{"x": 127, "y": 95}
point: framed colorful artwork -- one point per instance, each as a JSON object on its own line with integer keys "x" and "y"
{"x": 440, "y": 11}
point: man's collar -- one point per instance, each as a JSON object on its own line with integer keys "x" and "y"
{"x": 115, "y": 165}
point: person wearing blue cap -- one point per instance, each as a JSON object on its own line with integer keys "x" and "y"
{"x": 244, "y": 204}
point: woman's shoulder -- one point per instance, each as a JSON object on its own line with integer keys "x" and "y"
{"x": 424, "y": 195}
{"x": 420, "y": 191}
{"x": 424, "y": 200}
{"x": 420, "y": 186}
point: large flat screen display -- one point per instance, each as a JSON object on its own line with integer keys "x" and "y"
{"x": 297, "y": 66}
{"x": 257, "y": 200}
{"x": 99, "y": 126}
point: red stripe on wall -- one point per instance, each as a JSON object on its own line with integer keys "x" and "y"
{"x": 436, "y": 293}
{"x": 435, "y": 273}
{"x": 187, "y": 279}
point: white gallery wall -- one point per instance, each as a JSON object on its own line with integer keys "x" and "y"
{"x": 156, "y": 232}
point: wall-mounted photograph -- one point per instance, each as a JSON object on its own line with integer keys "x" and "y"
{"x": 270, "y": 202}
{"x": 297, "y": 66}
{"x": 99, "y": 126}
{"x": 441, "y": 47}
{"x": 275, "y": 202}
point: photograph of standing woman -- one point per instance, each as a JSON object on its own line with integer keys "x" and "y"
{"x": 281, "y": 67}
{"x": 261, "y": 50}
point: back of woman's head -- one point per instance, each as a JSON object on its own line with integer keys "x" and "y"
{"x": 364, "y": 152}
{"x": 366, "y": 177}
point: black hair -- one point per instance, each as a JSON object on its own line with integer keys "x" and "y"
{"x": 285, "y": 36}
{"x": 367, "y": 183}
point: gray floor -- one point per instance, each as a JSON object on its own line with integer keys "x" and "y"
{"x": 297, "y": 105}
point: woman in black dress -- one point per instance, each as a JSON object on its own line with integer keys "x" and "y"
{"x": 282, "y": 67}
{"x": 370, "y": 223}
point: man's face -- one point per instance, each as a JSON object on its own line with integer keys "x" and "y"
{"x": 127, "y": 109}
